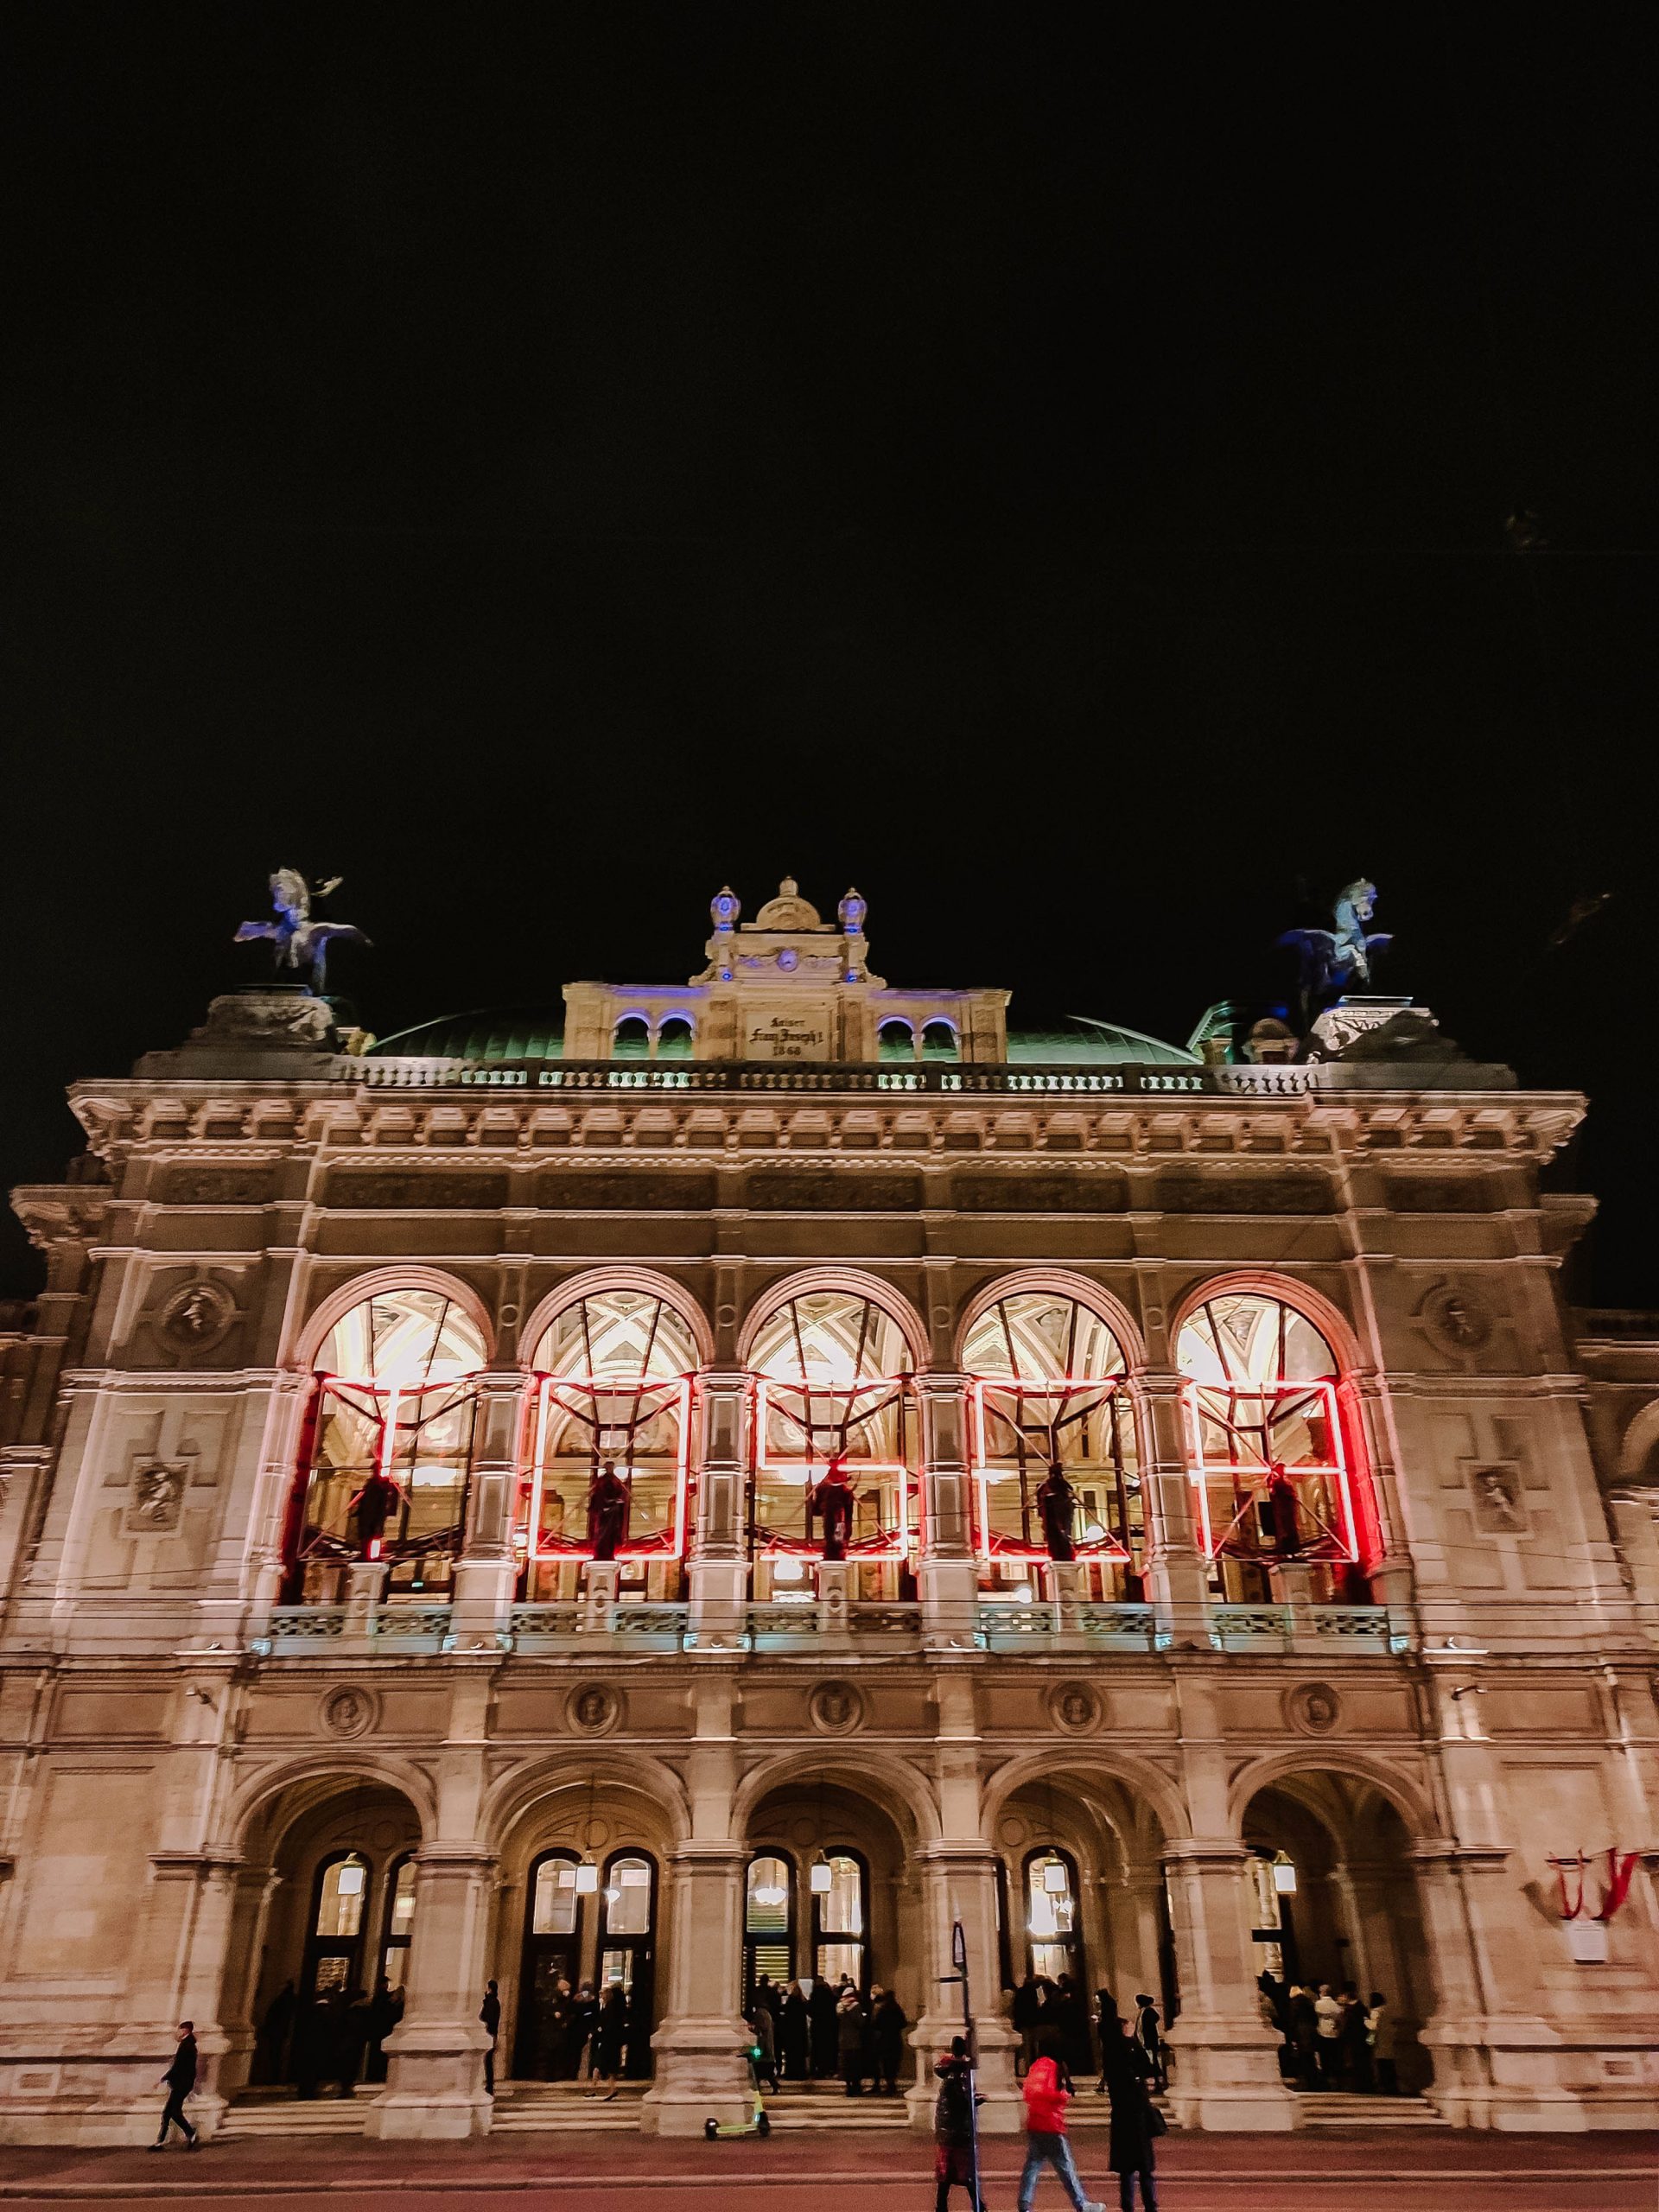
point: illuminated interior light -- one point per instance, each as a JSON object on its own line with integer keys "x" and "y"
{"x": 1054, "y": 1877}
{"x": 587, "y": 1878}
{"x": 821, "y": 1878}
{"x": 348, "y": 1883}
{"x": 788, "y": 1569}
{"x": 1284, "y": 1877}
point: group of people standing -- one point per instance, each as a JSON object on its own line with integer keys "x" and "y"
{"x": 584, "y": 2038}
{"x": 1333, "y": 2040}
{"x": 1055, "y": 2015}
{"x": 814, "y": 2030}
{"x": 333, "y": 2038}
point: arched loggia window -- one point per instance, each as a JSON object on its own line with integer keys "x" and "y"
{"x": 1052, "y": 1934}
{"x": 610, "y": 1443}
{"x": 1048, "y": 1382}
{"x": 835, "y": 1438}
{"x": 1276, "y": 1475}
{"x": 388, "y": 1448}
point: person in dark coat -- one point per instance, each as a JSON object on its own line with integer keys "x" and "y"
{"x": 1150, "y": 2037}
{"x": 826, "y": 2040}
{"x": 274, "y": 2032}
{"x": 584, "y": 2019}
{"x": 610, "y": 2037}
{"x": 1106, "y": 2014}
{"x": 849, "y": 2041}
{"x": 490, "y": 2013}
{"x": 178, "y": 2080}
{"x": 1305, "y": 2037}
{"x": 953, "y": 2128}
{"x": 793, "y": 2030}
{"x": 353, "y": 2040}
{"x": 887, "y": 2023}
{"x": 385, "y": 2009}
{"x": 1127, "y": 2070}
{"x": 1027, "y": 2019}
{"x": 312, "y": 2035}
{"x": 1071, "y": 2023}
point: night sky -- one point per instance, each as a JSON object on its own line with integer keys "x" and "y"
{"x": 543, "y": 463}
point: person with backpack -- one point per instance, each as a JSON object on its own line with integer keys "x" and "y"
{"x": 954, "y": 2160}
{"x": 1047, "y": 2091}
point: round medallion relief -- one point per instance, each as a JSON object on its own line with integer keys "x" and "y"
{"x": 1011, "y": 1832}
{"x": 1456, "y": 1320}
{"x": 349, "y": 1711}
{"x": 1314, "y": 1707}
{"x": 835, "y": 1709}
{"x": 801, "y": 1832}
{"x": 197, "y": 1315}
{"x": 595, "y": 1708}
{"x": 1075, "y": 1706}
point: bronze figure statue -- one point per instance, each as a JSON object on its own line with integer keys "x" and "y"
{"x": 299, "y": 943}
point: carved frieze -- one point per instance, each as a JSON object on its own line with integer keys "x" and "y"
{"x": 814, "y": 1191}
{"x": 217, "y": 1187}
{"x": 1192, "y": 1190}
{"x": 625, "y": 1189}
{"x": 1041, "y": 1193}
{"x": 369, "y": 1187}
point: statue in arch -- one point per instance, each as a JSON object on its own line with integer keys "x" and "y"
{"x": 832, "y": 1500}
{"x": 608, "y": 1512}
{"x": 1057, "y": 1506}
{"x": 300, "y": 943}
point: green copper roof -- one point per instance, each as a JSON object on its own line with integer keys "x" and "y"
{"x": 533, "y": 1034}
{"x": 1084, "y": 1043}
{"x": 486, "y": 1033}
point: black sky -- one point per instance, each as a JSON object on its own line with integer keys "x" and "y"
{"x": 542, "y": 463}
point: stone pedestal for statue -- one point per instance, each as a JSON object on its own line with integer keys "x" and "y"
{"x": 365, "y": 1593}
{"x": 1291, "y": 1582}
{"x": 276, "y": 1032}
{"x": 1062, "y": 1580}
{"x": 834, "y": 1628}
{"x": 598, "y": 1594}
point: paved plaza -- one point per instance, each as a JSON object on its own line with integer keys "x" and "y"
{"x": 1448, "y": 2172}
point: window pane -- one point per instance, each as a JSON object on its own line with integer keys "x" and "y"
{"x": 554, "y": 1909}
{"x": 628, "y": 1898}
{"x": 402, "y": 1899}
{"x": 841, "y": 1909}
{"x": 340, "y": 1908}
{"x": 768, "y": 1897}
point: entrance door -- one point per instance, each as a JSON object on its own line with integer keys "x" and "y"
{"x": 627, "y": 1943}
{"x": 334, "y": 1950}
{"x": 1055, "y": 1941}
{"x": 543, "y": 2049}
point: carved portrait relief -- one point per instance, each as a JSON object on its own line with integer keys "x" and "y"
{"x": 594, "y": 1709}
{"x": 1075, "y": 1706}
{"x": 1313, "y": 1708}
{"x": 835, "y": 1709}
{"x": 155, "y": 1505}
{"x": 192, "y": 1320}
{"x": 1455, "y": 1320}
{"x": 1500, "y": 1504}
{"x": 349, "y": 1711}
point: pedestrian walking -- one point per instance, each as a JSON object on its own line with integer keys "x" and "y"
{"x": 1026, "y": 2015}
{"x": 1327, "y": 2014}
{"x": 766, "y": 2039}
{"x": 1047, "y": 2094}
{"x": 822, "y": 2005}
{"x": 954, "y": 2164}
{"x": 1135, "y": 2120}
{"x": 610, "y": 2037}
{"x": 1305, "y": 2036}
{"x": 490, "y": 2013}
{"x": 1354, "y": 2042}
{"x": 178, "y": 2080}
{"x": 849, "y": 2041}
{"x": 793, "y": 2033}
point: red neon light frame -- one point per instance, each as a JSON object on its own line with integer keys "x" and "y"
{"x": 675, "y": 1391}
{"x": 1101, "y": 1391}
{"x": 1252, "y": 1474}
{"x": 896, "y": 1544}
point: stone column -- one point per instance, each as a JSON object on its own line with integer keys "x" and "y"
{"x": 702, "y": 2071}
{"x": 1226, "y": 2076}
{"x": 250, "y": 1909}
{"x": 1391, "y": 1578}
{"x": 434, "y": 2079}
{"x": 1179, "y": 1572}
{"x": 949, "y": 1577}
{"x": 488, "y": 1567}
{"x": 279, "y": 1471}
{"x": 959, "y": 1882}
{"x": 719, "y": 1564}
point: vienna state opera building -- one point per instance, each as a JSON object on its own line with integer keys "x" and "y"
{"x": 752, "y": 1475}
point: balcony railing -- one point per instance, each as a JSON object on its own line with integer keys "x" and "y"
{"x": 1284, "y": 1628}
{"x": 785, "y": 1627}
{"x": 954, "y": 1078}
{"x": 403, "y": 1628}
{"x": 1006, "y": 1626}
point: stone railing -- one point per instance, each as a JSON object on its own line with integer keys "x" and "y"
{"x": 1007, "y": 1627}
{"x": 1285, "y": 1627}
{"x": 947, "y": 1079}
{"x": 296, "y": 1628}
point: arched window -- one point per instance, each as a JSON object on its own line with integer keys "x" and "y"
{"x": 674, "y": 1038}
{"x": 388, "y": 1448}
{"x": 612, "y": 1405}
{"x": 768, "y": 1922}
{"x": 939, "y": 1042}
{"x": 631, "y": 1041}
{"x": 841, "y": 1918}
{"x": 400, "y": 1922}
{"x": 895, "y": 1041}
{"x": 334, "y": 1948}
{"x": 1052, "y": 1934}
{"x": 1048, "y": 1382}
{"x": 1272, "y": 1470}
{"x": 836, "y": 1434}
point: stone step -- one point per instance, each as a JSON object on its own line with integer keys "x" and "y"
{"x": 1342, "y": 2109}
{"x": 277, "y": 2116}
{"x": 556, "y": 2107}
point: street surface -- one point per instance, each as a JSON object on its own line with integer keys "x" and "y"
{"x": 1351, "y": 2172}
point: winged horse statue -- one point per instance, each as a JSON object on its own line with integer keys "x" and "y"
{"x": 300, "y": 942}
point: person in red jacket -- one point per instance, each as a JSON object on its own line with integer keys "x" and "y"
{"x": 1047, "y": 2093}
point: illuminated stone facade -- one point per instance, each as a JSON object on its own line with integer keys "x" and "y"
{"x": 327, "y": 1651}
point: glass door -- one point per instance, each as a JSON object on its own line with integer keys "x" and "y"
{"x": 543, "y": 2049}
{"x": 626, "y": 1949}
{"x": 841, "y": 1919}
